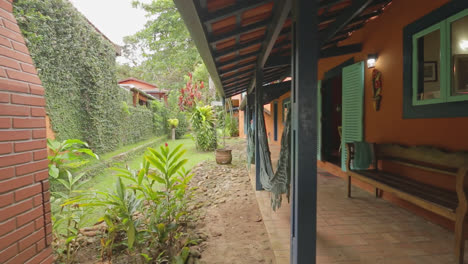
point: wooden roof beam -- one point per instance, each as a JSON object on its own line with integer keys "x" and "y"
{"x": 213, "y": 40}
{"x": 349, "y": 14}
{"x": 220, "y": 54}
{"x": 237, "y": 69}
{"x": 237, "y": 9}
{"x": 237, "y": 76}
{"x": 237, "y": 81}
{"x": 237, "y": 61}
{"x": 281, "y": 12}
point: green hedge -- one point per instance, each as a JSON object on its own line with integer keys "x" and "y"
{"x": 77, "y": 68}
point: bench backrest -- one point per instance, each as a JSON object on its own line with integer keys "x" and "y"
{"x": 423, "y": 157}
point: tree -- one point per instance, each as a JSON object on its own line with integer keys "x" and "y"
{"x": 165, "y": 44}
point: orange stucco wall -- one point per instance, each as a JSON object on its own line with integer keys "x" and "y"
{"x": 385, "y": 37}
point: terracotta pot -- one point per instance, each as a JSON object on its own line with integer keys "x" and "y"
{"x": 223, "y": 156}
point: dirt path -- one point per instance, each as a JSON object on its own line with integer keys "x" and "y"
{"x": 230, "y": 217}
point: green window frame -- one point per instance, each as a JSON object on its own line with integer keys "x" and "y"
{"x": 446, "y": 62}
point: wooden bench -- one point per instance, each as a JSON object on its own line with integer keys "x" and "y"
{"x": 450, "y": 204}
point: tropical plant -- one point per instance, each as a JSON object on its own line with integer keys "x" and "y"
{"x": 190, "y": 94}
{"x": 68, "y": 219}
{"x": 203, "y": 124}
{"x": 67, "y": 155}
{"x": 173, "y": 122}
{"x": 149, "y": 214}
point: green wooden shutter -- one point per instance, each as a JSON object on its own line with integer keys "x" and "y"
{"x": 353, "y": 107}
{"x": 319, "y": 122}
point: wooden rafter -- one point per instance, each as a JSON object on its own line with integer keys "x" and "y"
{"x": 233, "y": 10}
{"x": 349, "y": 14}
{"x": 238, "y": 31}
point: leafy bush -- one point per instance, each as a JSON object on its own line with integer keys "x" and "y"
{"x": 204, "y": 131}
{"x": 150, "y": 214}
{"x": 66, "y": 217}
{"x": 231, "y": 124}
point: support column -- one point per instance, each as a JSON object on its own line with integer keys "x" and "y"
{"x": 258, "y": 112}
{"x": 304, "y": 132}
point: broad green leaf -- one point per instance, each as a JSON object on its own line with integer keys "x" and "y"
{"x": 157, "y": 154}
{"x": 173, "y": 152}
{"x": 176, "y": 167}
{"x": 89, "y": 152}
{"x": 131, "y": 234}
{"x": 156, "y": 178}
{"x": 156, "y": 164}
{"x": 70, "y": 239}
{"x": 53, "y": 171}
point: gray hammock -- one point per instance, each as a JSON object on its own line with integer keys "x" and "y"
{"x": 277, "y": 183}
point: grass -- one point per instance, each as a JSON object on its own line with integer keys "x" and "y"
{"x": 109, "y": 155}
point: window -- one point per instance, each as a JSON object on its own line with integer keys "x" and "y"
{"x": 439, "y": 92}
{"x": 440, "y": 61}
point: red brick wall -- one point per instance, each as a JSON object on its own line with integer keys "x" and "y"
{"x": 25, "y": 226}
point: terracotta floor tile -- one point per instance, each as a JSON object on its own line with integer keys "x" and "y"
{"x": 363, "y": 229}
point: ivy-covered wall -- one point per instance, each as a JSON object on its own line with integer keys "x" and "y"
{"x": 77, "y": 67}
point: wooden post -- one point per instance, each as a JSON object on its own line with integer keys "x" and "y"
{"x": 258, "y": 112}
{"x": 305, "y": 50}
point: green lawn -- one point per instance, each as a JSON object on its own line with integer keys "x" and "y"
{"x": 109, "y": 155}
{"x": 105, "y": 180}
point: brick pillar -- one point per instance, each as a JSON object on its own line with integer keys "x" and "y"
{"x": 25, "y": 226}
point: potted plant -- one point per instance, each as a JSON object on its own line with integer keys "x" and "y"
{"x": 173, "y": 123}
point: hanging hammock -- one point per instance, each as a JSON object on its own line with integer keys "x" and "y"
{"x": 277, "y": 183}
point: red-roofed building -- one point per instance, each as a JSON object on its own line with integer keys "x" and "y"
{"x": 146, "y": 87}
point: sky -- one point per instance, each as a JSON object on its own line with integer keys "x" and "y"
{"x": 114, "y": 18}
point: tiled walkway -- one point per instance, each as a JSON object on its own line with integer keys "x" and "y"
{"x": 362, "y": 229}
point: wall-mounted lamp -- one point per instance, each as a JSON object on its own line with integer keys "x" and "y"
{"x": 464, "y": 44}
{"x": 371, "y": 60}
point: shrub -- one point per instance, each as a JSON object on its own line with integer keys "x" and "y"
{"x": 203, "y": 124}
{"x": 150, "y": 214}
{"x": 66, "y": 216}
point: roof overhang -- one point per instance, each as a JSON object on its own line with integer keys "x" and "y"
{"x": 238, "y": 38}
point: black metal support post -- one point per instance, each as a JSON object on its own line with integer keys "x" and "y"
{"x": 306, "y": 44}
{"x": 258, "y": 112}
